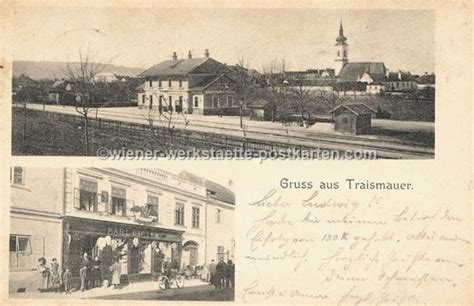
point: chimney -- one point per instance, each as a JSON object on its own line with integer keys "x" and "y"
{"x": 206, "y": 53}
{"x": 387, "y": 73}
{"x": 190, "y": 56}
{"x": 400, "y": 75}
{"x": 175, "y": 57}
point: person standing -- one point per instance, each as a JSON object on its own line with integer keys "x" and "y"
{"x": 221, "y": 269}
{"x": 96, "y": 278}
{"x": 116, "y": 270}
{"x": 83, "y": 276}
{"x": 55, "y": 274}
{"x": 212, "y": 272}
{"x": 44, "y": 275}
{"x": 230, "y": 274}
{"x": 67, "y": 281}
{"x": 86, "y": 272}
{"x": 205, "y": 273}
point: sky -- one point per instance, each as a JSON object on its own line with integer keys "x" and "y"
{"x": 305, "y": 39}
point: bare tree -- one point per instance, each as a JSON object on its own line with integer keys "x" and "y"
{"x": 85, "y": 90}
{"x": 274, "y": 71}
{"x": 302, "y": 98}
{"x": 243, "y": 86}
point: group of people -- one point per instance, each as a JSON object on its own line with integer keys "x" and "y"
{"x": 52, "y": 278}
{"x": 94, "y": 273}
{"x": 222, "y": 274}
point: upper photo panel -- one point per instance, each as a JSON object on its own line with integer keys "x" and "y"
{"x": 146, "y": 83}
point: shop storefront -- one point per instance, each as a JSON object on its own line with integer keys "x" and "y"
{"x": 140, "y": 250}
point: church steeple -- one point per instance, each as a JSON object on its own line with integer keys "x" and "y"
{"x": 341, "y": 50}
{"x": 341, "y": 38}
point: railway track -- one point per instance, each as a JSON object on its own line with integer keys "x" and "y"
{"x": 323, "y": 141}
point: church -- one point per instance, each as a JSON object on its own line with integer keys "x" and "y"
{"x": 374, "y": 76}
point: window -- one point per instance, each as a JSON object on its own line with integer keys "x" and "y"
{"x": 220, "y": 253}
{"x": 17, "y": 175}
{"x": 152, "y": 207}
{"x": 160, "y": 83}
{"x": 196, "y": 101}
{"x": 170, "y": 100}
{"x": 143, "y": 99}
{"x": 151, "y": 83}
{"x": 345, "y": 53}
{"x": 338, "y": 53}
{"x": 151, "y": 99}
{"x": 195, "y": 217}
{"x": 169, "y": 82}
{"x": 179, "y": 214}
{"x": 20, "y": 244}
{"x": 119, "y": 202}
{"x": 180, "y": 82}
{"x": 218, "y": 215}
{"x": 230, "y": 101}
{"x": 87, "y": 195}
{"x": 215, "y": 101}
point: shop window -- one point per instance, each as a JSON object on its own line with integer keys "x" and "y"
{"x": 119, "y": 202}
{"x": 195, "y": 222}
{"x": 220, "y": 253}
{"x": 17, "y": 175}
{"x": 85, "y": 197}
{"x": 218, "y": 215}
{"x": 179, "y": 214}
{"x": 152, "y": 207}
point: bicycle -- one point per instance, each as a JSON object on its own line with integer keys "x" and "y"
{"x": 175, "y": 278}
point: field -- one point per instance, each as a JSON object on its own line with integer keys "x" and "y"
{"x": 63, "y": 137}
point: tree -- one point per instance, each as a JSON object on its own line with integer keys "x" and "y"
{"x": 26, "y": 90}
{"x": 243, "y": 86}
{"x": 302, "y": 98}
{"x": 274, "y": 83}
{"x": 85, "y": 90}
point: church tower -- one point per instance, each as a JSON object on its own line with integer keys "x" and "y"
{"x": 341, "y": 50}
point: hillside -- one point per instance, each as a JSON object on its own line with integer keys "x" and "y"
{"x": 57, "y": 70}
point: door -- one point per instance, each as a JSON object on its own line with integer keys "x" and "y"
{"x": 193, "y": 256}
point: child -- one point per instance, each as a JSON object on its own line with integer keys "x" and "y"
{"x": 116, "y": 270}
{"x": 67, "y": 281}
{"x": 55, "y": 276}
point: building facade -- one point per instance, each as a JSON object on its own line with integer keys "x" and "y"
{"x": 140, "y": 217}
{"x": 191, "y": 85}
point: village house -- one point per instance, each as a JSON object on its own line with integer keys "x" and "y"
{"x": 401, "y": 82}
{"x": 139, "y": 216}
{"x": 191, "y": 85}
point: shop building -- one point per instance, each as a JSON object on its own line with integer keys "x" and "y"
{"x": 138, "y": 217}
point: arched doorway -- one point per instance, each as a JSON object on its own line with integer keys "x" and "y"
{"x": 190, "y": 253}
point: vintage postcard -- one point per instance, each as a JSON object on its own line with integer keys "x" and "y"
{"x": 238, "y": 152}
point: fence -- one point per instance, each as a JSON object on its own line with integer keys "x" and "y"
{"x": 184, "y": 138}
